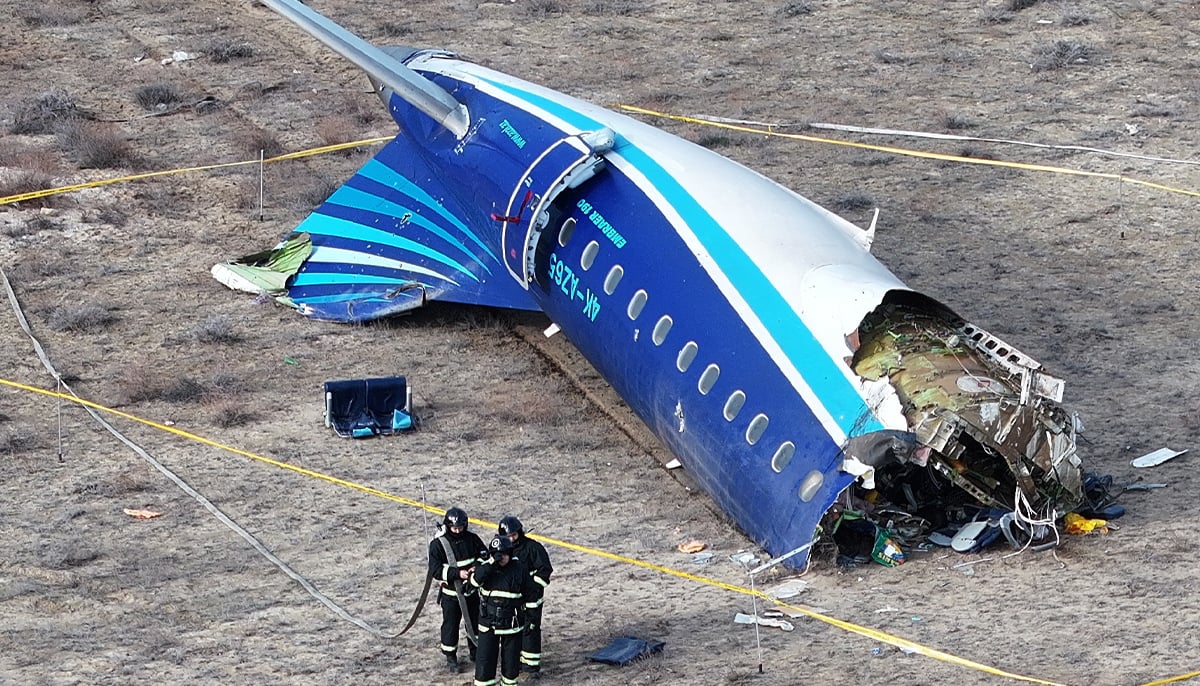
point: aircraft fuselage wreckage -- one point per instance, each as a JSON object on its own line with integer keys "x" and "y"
{"x": 752, "y": 330}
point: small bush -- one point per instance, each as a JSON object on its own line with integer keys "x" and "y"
{"x": 614, "y": 8}
{"x": 184, "y": 389}
{"x": 1062, "y": 53}
{"x": 79, "y": 318}
{"x": 1074, "y": 17}
{"x": 230, "y": 412}
{"x": 313, "y": 194}
{"x": 543, "y": 8}
{"x": 43, "y": 113}
{"x": 22, "y": 182}
{"x": 95, "y": 146}
{"x": 800, "y": 8}
{"x": 51, "y": 15}
{"x": 157, "y": 96}
{"x": 995, "y": 15}
{"x": 392, "y": 29}
{"x": 260, "y": 141}
{"x": 1018, "y": 5}
{"x": 223, "y": 50}
{"x": 215, "y": 329}
{"x": 854, "y": 200}
{"x": 955, "y": 121}
{"x": 336, "y": 129}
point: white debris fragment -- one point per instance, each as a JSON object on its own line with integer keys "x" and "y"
{"x": 1156, "y": 458}
{"x": 743, "y": 618}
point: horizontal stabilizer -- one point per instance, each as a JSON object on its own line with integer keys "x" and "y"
{"x": 383, "y": 244}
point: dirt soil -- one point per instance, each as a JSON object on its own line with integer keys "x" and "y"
{"x": 1089, "y": 275}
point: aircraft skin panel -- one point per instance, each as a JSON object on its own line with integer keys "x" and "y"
{"x": 383, "y": 245}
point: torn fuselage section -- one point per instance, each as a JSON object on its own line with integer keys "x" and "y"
{"x": 985, "y": 428}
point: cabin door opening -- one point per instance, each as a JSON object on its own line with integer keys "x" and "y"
{"x": 565, "y": 164}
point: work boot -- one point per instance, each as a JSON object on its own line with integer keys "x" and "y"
{"x": 534, "y": 671}
{"x": 452, "y": 663}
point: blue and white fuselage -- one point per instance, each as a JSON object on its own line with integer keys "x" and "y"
{"x": 726, "y": 310}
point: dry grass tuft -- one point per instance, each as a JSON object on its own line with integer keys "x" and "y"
{"x": 95, "y": 145}
{"x": 228, "y": 412}
{"x": 336, "y": 129}
{"x": 82, "y": 318}
{"x": 258, "y": 141}
{"x": 854, "y": 200}
{"x": 1062, "y": 53}
{"x": 157, "y": 96}
{"x": 223, "y": 50}
{"x": 216, "y": 329}
{"x": 45, "y": 112}
{"x": 798, "y": 8}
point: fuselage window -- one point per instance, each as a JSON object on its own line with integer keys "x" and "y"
{"x": 636, "y": 303}
{"x": 661, "y": 329}
{"x": 734, "y": 405}
{"x": 757, "y": 426}
{"x": 783, "y": 456}
{"x": 564, "y": 234}
{"x": 589, "y": 255}
{"x": 708, "y": 378}
{"x": 613, "y": 278}
{"x": 686, "y": 356}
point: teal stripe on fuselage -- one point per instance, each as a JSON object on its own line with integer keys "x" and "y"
{"x": 362, "y": 200}
{"x": 324, "y": 225}
{"x": 381, "y": 173}
{"x": 833, "y": 390}
{"x": 339, "y": 278}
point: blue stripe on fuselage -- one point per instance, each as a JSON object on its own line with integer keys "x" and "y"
{"x": 832, "y": 389}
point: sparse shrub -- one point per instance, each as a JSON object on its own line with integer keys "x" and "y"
{"x": 714, "y": 140}
{"x": 995, "y": 15}
{"x": 215, "y": 329}
{"x": 1062, "y": 53}
{"x": 21, "y": 182}
{"x": 13, "y": 442}
{"x": 63, "y": 554}
{"x": 224, "y": 50}
{"x": 95, "y": 146}
{"x": 41, "y": 222}
{"x": 955, "y": 121}
{"x": 1018, "y": 5}
{"x": 108, "y": 214}
{"x": 229, "y": 412}
{"x": 157, "y": 96}
{"x": 184, "y": 389}
{"x": 260, "y": 140}
{"x": 393, "y": 29}
{"x": 335, "y": 129}
{"x": 854, "y": 200}
{"x": 313, "y": 194}
{"x": 543, "y": 8}
{"x": 79, "y": 318}
{"x": 614, "y": 8}
{"x": 1073, "y": 16}
{"x": 886, "y": 56}
{"x": 43, "y": 113}
{"x": 799, "y": 8}
{"x": 51, "y": 14}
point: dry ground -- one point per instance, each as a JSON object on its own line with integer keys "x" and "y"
{"x": 1093, "y": 277}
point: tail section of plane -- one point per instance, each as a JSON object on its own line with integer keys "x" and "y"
{"x": 383, "y": 245}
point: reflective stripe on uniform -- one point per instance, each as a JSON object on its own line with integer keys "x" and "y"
{"x": 541, "y": 582}
{"x": 534, "y": 605}
{"x": 531, "y": 659}
{"x": 505, "y": 681}
{"x": 489, "y": 682}
{"x": 487, "y": 593}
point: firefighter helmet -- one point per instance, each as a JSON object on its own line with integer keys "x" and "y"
{"x": 455, "y": 516}
{"x": 511, "y": 525}
{"x": 500, "y": 545}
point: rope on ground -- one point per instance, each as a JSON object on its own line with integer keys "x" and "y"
{"x": 183, "y": 485}
{"x": 33, "y": 195}
{"x": 769, "y": 131}
{"x": 596, "y": 552}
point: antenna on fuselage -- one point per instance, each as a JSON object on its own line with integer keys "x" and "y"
{"x": 410, "y": 86}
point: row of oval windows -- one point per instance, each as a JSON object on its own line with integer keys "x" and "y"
{"x": 687, "y": 354}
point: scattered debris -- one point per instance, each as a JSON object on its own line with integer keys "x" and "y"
{"x": 744, "y": 558}
{"x": 625, "y": 649}
{"x": 1153, "y": 459}
{"x": 179, "y": 56}
{"x": 702, "y": 558}
{"x": 1079, "y": 525}
{"x": 692, "y": 546}
{"x": 142, "y": 514}
{"x": 788, "y": 589}
{"x": 743, "y": 618}
{"x": 361, "y": 408}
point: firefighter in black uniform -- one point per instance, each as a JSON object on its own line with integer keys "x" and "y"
{"x": 535, "y": 558}
{"x": 505, "y": 587}
{"x": 452, "y": 555}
